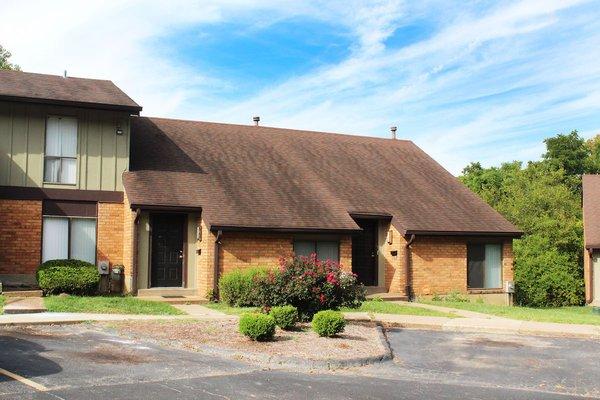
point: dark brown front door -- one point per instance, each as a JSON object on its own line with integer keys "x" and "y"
{"x": 364, "y": 252}
{"x": 167, "y": 250}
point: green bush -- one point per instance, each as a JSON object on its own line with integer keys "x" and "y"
{"x": 328, "y": 323}
{"x": 545, "y": 277}
{"x": 256, "y": 326}
{"x": 310, "y": 285}
{"x": 238, "y": 288}
{"x": 68, "y": 276}
{"x": 285, "y": 316}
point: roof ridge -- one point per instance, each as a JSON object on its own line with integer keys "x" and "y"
{"x": 55, "y": 76}
{"x": 280, "y": 129}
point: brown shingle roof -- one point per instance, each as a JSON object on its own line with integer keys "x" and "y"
{"x": 591, "y": 211}
{"x": 30, "y": 87}
{"x": 260, "y": 177}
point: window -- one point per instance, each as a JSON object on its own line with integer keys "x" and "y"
{"x": 60, "y": 161}
{"x": 325, "y": 250}
{"x": 484, "y": 266}
{"x": 69, "y": 238}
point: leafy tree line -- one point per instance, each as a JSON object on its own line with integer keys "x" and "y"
{"x": 543, "y": 199}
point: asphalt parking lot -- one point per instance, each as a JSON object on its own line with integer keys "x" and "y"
{"x": 84, "y": 362}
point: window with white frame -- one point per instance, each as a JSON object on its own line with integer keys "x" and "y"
{"x": 484, "y": 266}
{"x": 325, "y": 250}
{"x": 60, "y": 160}
{"x": 69, "y": 237}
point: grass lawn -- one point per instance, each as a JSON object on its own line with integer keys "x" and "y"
{"x": 1, "y": 304}
{"x": 224, "y": 308}
{"x": 565, "y": 315}
{"x": 385, "y": 307}
{"x": 368, "y": 306}
{"x": 109, "y": 305}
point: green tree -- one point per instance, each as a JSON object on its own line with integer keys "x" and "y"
{"x": 568, "y": 152}
{"x": 541, "y": 199}
{"x": 4, "y": 63}
{"x": 593, "y": 162}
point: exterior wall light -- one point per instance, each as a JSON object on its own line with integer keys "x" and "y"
{"x": 119, "y": 131}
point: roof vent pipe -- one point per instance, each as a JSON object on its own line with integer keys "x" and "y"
{"x": 65, "y": 74}
{"x": 256, "y": 120}
{"x": 393, "y": 130}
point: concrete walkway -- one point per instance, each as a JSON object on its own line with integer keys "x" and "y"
{"x": 198, "y": 311}
{"x": 482, "y": 325}
{"x": 448, "y": 310}
{"x": 46, "y": 318}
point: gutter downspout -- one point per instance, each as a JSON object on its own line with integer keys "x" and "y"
{"x": 134, "y": 256}
{"x": 216, "y": 264}
{"x": 407, "y": 272}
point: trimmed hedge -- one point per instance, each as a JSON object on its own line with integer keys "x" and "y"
{"x": 259, "y": 327}
{"x": 285, "y": 316}
{"x": 237, "y": 287}
{"x": 328, "y": 323}
{"x": 68, "y": 276}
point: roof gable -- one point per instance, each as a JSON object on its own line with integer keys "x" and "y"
{"x": 41, "y": 88}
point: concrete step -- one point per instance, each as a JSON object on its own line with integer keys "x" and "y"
{"x": 166, "y": 292}
{"x": 24, "y": 305}
{"x": 388, "y": 296}
{"x": 176, "y": 300}
{"x": 22, "y": 293}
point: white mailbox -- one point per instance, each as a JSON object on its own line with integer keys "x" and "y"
{"x": 103, "y": 267}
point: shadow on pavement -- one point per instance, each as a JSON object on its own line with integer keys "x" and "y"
{"x": 24, "y": 357}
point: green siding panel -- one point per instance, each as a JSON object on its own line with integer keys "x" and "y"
{"x": 102, "y": 154}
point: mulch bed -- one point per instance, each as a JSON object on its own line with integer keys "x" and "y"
{"x": 358, "y": 340}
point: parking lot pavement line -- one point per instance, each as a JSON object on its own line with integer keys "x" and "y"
{"x": 24, "y": 380}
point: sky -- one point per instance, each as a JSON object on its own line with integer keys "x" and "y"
{"x": 467, "y": 81}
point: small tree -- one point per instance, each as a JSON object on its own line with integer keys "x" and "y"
{"x": 4, "y": 63}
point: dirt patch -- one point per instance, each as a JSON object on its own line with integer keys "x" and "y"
{"x": 358, "y": 340}
{"x": 493, "y": 343}
{"x": 107, "y": 354}
{"x": 40, "y": 332}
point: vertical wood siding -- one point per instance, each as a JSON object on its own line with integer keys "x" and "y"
{"x": 102, "y": 155}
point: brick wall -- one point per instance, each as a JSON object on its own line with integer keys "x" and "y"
{"x": 128, "y": 245}
{"x": 205, "y": 260}
{"x": 395, "y": 279}
{"x": 109, "y": 242}
{"x": 242, "y": 250}
{"x": 20, "y": 236}
{"x": 245, "y": 250}
{"x": 438, "y": 264}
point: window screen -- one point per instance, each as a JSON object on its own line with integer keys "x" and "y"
{"x": 325, "y": 250}
{"x": 484, "y": 266}
{"x": 73, "y": 238}
{"x": 60, "y": 162}
{"x": 55, "y": 237}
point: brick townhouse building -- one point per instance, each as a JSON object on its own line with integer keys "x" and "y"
{"x": 178, "y": 203}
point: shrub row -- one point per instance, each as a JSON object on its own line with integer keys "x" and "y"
{"x": 261, "y": 327}
{"x": 306, "y": 283}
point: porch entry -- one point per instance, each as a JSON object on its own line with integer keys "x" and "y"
{"x": 364, "y": 252}
{"x": 166, "y": 255}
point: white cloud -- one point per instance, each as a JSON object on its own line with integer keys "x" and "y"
{"x": 444, "y": 92}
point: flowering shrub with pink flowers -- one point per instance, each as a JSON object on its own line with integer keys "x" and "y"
{"x": 310, "y": 285}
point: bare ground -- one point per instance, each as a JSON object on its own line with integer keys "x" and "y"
{"x": 356, "y": 341}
